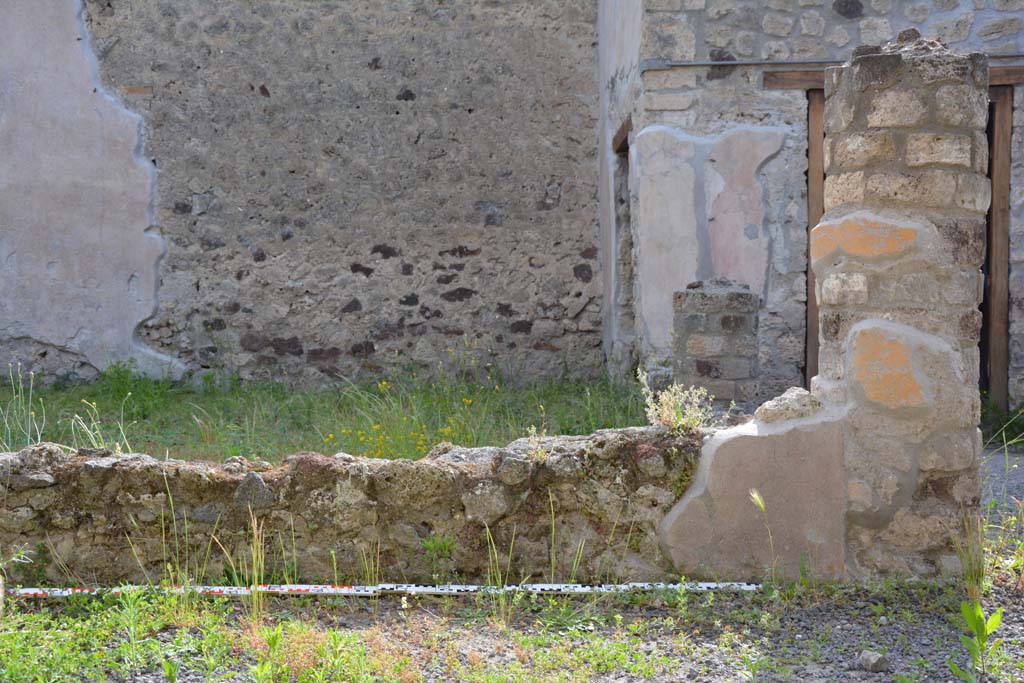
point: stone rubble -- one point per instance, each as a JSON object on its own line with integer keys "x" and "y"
{"x": 93, "y": 511}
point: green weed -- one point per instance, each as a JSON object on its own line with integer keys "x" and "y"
{"x": 977, "y": 644}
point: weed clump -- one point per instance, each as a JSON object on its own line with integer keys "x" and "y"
{"x": 683, "y": 410}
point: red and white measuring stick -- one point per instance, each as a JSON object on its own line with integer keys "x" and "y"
{"x": 390, "y": 589}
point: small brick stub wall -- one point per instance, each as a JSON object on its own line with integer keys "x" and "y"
{"x": 716, "y": 339}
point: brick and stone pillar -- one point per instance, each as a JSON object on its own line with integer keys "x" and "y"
{"x": 715, "y": 339}
{"x": 897, "y": 258}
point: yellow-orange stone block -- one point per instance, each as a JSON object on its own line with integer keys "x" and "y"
{"x": 861, "y": 237}
{"x": 882, "y": 366}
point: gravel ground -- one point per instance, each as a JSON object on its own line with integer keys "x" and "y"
{"x": 1003, "y": 474}
{"x": 813, "y": 637}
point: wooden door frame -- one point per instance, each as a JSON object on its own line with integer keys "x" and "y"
{"x": 815, "y": 210}
{"x": 996, "y": 310}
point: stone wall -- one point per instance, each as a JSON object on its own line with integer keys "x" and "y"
{"x": 685, "y": 227}
{"x": 898, "y": 257}
{"x": 340, "y": 186}
{"x": 92, "y": 512}
{"x": 890, "y": 433}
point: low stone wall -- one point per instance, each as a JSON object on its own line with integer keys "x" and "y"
{"x": 98, "y": 517}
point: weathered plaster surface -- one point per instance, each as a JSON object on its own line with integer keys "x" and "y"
{"x": 715, "y": 529}
{"x": 699, "y": 212}
{"x": 619, "y": 30}
{"x": 666, "y": 253}
{"x": 79, "y": 257}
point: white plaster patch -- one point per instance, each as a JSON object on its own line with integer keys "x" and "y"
{"x": 80, "y": 267}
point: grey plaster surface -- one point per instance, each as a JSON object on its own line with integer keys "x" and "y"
{"x": 79, "y": 258}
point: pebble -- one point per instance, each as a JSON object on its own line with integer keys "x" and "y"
{"x": 872, "y": 661}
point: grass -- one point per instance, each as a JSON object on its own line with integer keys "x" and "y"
{"x": 399, "y": 417}
{"x": 657, "y": 636}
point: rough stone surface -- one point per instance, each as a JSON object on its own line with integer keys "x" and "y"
{"x": 872, "y": 472}
{"x": 609, "y": 490}
{"x": 715, "y": 332}
{"x": 341, "y": 188}
{"x": 872, "y": 661}
{"x": 710, "y": 102}
{"x": 369, "y": 198}
{"x": 794, "y": 403}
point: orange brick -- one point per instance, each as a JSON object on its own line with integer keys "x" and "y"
{"x": 882, "y": 366}
{"x": 861, "y": 237}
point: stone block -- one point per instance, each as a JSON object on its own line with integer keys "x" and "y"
{"x": 951, "y": 452}
{"x": 862, "y": 149}
{"x": 705, "y": 369}
{"x": 1000, "y": 29}
{"x": 917, "y": 12}
{"x": 882, "y": 367}
{"x": 843, "y": 188}
{"x": 669, "y": 79}
{"x": 954, "y": 29}
{"x": 961, "y": 105}
{"x": 844, "y": 289}
{"x": 877, "y": 71}
{"x": 875, "y": 30}
{"x": 838, "y": 36}
{"x": 973, "y": 192}
{"x": 668, "y": 36}
{"x": 736, "y": 368}
{"x": 745, "y": 345}
{"x": 896, "y": 109}
{"x": 736, "y": 323}
{"x": 937, "y": 148}
{"x": 940, "y": 67}
{"x": 862, "y": 235}
{"x": 777, "y": 24}
{"x": 932, "y": 187}
{"x": 793, "y": 404}
{"x": 706, "y": 345}
{"x": 838, "y": 107}
{"x": 721, "y": 390}
{"x": 812, "y": 23}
